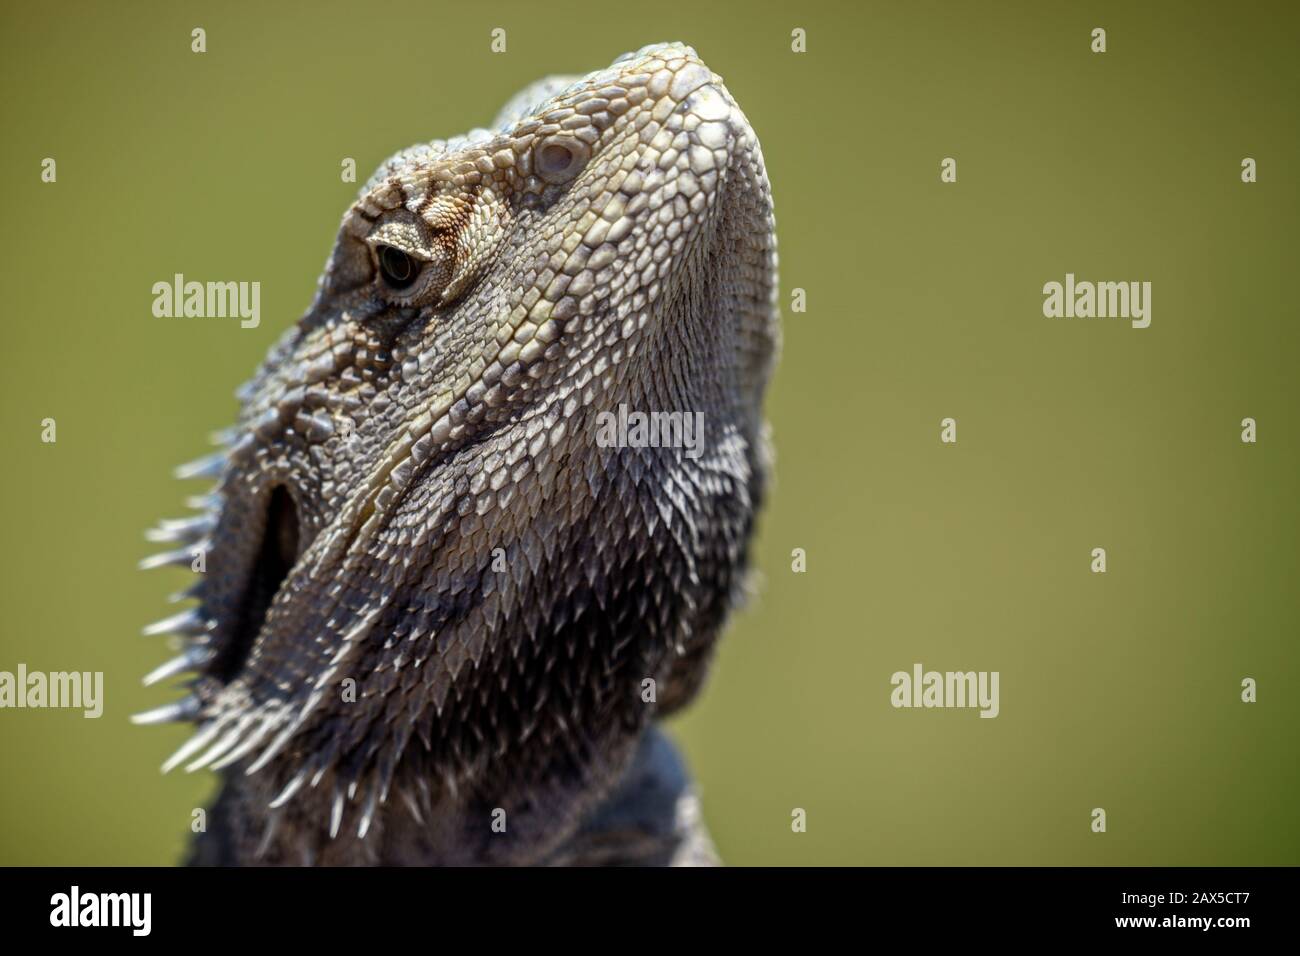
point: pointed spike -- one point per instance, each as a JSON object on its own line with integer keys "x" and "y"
{"x": 225, "y": 436}
{"x": 181, "y": 557}
{"x": 191, "y": 593}
{"x": 186, "y": 708}
{"x": 290, "y": 789}
{"x": 241, "y": 445}
{"x": 161, "y": 534}
{"x": 272, "y": 824}
{"x": 194, "y": 744}
{"x": 336, "y": 814}
{"x": 210, "y": 502}
{"x": 180, "y": 529}
{"x": 275, "y": 746}
{"x": 409, "y": 799}
{"x": 367, "y": 814}
{"x": 230, "y": 739}
{"x": 450, "y": 783}
{"x": 190, "y": 621}
{"x": 209, "y": 466}
{"x": 190, "y": 659}
{"x": 165, "y": 558}
{"x": 246, "y": 747}
{"x": 294, "y": 722}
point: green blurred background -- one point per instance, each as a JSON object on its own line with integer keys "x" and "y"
{"x": 924, "y": 301}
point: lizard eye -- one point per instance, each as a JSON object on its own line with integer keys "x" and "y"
{"x": 560, "y": 158}
{"x": 398, "y": 269}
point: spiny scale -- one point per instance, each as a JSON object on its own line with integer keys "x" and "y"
{"x": 181, "y": 529}
{"x": 192, "y": 746}
{"x": 245, "y": 748}
{"x": 186, "y": 708}
{"x": 192, "y": 658}
{"x": 209, "y": 466}
{"x": 188, "y": 622}
{"x": 181, "y": 557}
{"x": 229, "y": 740}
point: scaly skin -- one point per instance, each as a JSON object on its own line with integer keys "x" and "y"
{"x": 430, "y": 594}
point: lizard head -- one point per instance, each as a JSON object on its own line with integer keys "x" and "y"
{"x": 422, "y": 567}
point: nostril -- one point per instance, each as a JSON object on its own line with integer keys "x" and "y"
{"x": 555, "y": 158}
{"x": 560, "y": 158}
{"x": 275, "y": 558}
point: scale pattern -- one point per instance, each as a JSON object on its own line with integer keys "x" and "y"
{"x": 425, "y": 578}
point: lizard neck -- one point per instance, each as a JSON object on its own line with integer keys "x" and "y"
{"x": 649, "y": 816}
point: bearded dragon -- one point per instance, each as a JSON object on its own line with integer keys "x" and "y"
{"x": 438, "y": 620}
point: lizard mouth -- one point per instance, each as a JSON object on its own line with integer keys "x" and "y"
{"x": 275, "y": 558}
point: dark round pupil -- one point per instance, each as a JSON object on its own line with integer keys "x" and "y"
{"x": 399, "y": 270}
